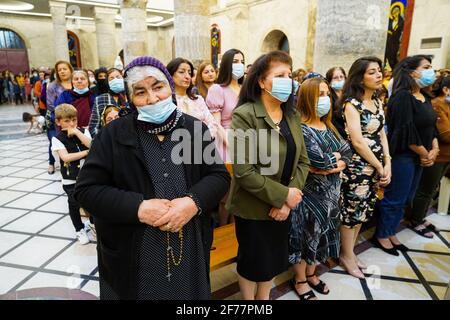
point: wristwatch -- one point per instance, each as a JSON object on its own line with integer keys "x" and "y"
{"x": 196, "y": 201}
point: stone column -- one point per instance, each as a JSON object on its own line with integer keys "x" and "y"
{"x": 134, "y": 28}
{"x": 58, "y": 12}
{"x": 192, "y": 30}
{"x": 105, "y": 29}
{"x": 312, "y": 14}
{"x": 348, "y": 30}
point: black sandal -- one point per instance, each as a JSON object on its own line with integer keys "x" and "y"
{"x": 422, "y": 232}
{"x": 430, "y": 226}
{"x": 320, "y": 287}
{"x": 306, "y": 296}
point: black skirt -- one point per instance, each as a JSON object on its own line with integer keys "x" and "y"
{"x": 263, "y": 248}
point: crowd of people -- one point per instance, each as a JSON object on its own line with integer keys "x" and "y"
{"x": 347, "y": 144}
{"x": 17, "y": 89}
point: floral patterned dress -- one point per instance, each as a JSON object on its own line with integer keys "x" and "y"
{"x": 360, "y": 179}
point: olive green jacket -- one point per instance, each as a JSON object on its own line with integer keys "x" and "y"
{"x": 252, "y": 194}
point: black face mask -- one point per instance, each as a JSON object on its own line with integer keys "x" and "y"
{"x": 102, "y": 86}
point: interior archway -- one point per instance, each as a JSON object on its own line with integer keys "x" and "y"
{"x": 275, "y": 40}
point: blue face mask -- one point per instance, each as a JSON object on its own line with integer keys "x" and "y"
{"x": 117, "y": 85}
{"x": 157, "y": 113}
{"x": 81, "y": 91}
{"x": 323, "y": 106}
{"x": 427, "y": 78}
{"x": 338, "y": 85}
{"x": 296, "y": 86}
{"x": 282, "y": 88}
{"x": 237, "y": 71}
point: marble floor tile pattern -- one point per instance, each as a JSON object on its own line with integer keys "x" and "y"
{"x": 38, "y": 248}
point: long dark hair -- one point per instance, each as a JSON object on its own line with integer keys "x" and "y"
{"x": 354, "y": 87}
{"x": 251, "y": 91}
{"x": 330, "y": 72}
{"x": 337, "y": 107}
{"x": 402, "y": 73}
{"x": 173, "y": 66}
{"x": 440, "y": 84}
{"x": 226, "y": 68}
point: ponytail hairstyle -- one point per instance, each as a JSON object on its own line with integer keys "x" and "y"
{"x": 402, "y": 73}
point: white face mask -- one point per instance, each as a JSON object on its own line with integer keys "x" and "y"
{"x": 238, "y": 70}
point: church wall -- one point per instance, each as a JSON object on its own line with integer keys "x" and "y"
{"x": 423, "y": 26}
{"x": 37, "y": 33}
{"x": 245, "y": 27}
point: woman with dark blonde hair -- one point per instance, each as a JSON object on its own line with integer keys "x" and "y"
{"x": 206, "y": 75}
{"x": 314, "y": 231}
{"x": 63, "y": 74}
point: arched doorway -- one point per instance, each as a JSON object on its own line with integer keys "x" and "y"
{"x": 74, "y": 50}
{"x": 275, "y": 40}
{"x": 13, "y": 53}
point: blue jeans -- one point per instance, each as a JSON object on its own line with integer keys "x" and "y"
{"x": 50, "y": 134}
{"x": 406, "y": 174}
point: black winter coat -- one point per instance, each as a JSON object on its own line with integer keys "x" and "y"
{"x": 114, "y": 181}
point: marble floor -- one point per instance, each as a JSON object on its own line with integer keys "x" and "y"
{"x": 41, "y": 259}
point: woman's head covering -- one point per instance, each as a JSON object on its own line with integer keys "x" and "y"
{"x": 98, "y": 71}
{"x": 311, "y": 75}
{"x": 101, "y": 84}
{"x": 143, "y": 67}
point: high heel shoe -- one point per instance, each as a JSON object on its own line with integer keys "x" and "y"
{"x": 357, "y": 273}
{"x": 391, "y": 251}
{"x": 305, "y": 296}
{"x": 320, "y": 287}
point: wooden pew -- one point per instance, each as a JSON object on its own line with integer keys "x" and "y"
{"x": 224, "y": 247}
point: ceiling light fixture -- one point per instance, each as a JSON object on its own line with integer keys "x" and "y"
{"x": 15, "y": 5}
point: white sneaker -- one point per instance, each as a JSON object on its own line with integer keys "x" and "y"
{"x": 90, "y": 230}
{"x": 82, "y": 237}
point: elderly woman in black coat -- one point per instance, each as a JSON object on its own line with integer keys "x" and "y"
{"x": 150, "y": 192}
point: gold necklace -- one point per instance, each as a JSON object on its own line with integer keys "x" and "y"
{"x": 170, "y": 254}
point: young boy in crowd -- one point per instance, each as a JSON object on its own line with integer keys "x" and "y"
{"x": 36, "y": 121}
{"x": 71, "y": 145}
